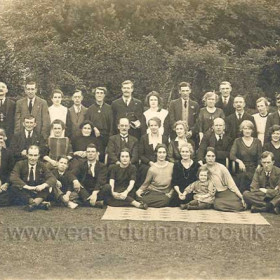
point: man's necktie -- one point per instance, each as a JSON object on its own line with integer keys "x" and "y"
{"x": 89, "y": 169}
{"x": 30, "y": 106}
{"x": 31, "y": 176}
{"x": 185, "y": 104}
{"x": 225, "y": 101}
{"x": 29, "y": 134}
{"x": 1, "y": 103}
{"x": 239, "y": 116}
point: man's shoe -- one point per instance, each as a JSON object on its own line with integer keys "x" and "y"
{"x": 255, "y": 209}
{"x": 99, "y": 204}
{"x": 72, "y": 205}
{"x": 30, "y": 207}
{"x": 143, "y": 206}
{"x": 277, "y": 210}
{"x": 184, "y": 206}
{"x": 44, "y": 205}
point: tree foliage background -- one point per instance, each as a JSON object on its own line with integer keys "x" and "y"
{"x": 155, "y": 43}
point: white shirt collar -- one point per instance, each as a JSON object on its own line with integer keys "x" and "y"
{"x": 26, "y": 133}
{"x": 237, "y": 114}
{"x": 126, "y": 100}
{"x": 218, "y": 136}
{"x": 3, "y": 100}
{"x": 33, "y": 100}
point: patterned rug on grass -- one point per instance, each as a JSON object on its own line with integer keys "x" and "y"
{"x": 178, "y": 215}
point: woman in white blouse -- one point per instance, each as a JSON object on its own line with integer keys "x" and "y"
{"x": 57, "y": 111}
{"x": 261, "y": 117}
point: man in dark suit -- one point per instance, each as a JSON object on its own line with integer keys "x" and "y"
{"x": 7, "y": 112}
{"x": 234, "y": 120}
{"x": 273, "y": 118}
{"x": 76, "y": 115}
{"x": 218, "y": 140}
{"x": 100, "y": 114}
{"x": 29, "y": 136}
{"x": 225, "y": 101}
{"x": 120, "y": 141}
{"x": 6, "y": 166}
{"x": 91, "y": 177}
{"x": 31, "y": 180}
{"x": 264, "y": 195}
{"x": 184, "y": 109}
{"x": 128, "y": 107}
{"x": 36, "y": 106}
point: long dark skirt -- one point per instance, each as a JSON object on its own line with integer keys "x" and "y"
{"x": 228, "y": 201}
{"x": 156, "y": 199}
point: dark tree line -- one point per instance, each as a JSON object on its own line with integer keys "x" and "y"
{"x": 155, "y": 43}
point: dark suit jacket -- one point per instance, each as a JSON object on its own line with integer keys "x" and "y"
{"x": 7, "y": 164}
{"x": 175, "y": 113}
{"x": 95, "y": 183}
{"x": 115, "y": 145}
{"x": 272, "y": 119}
{"x": 66, "y": 180}
{"x": 232, "y": 125}
{"x": 20, "y": 142}
{"x": 134, "y": 111}
{"x": 39, "y": 111}
{"x": 20, "y": 172}
{"x": 7, "y": 117}
{"x": 101, "y": 118}
{"x": 259, "y": 181}
{"x": 228, "y": 109}
{"x": 74, "y": 121}
{"x": 146, "y": 151}
{"x": 210, "y": 140}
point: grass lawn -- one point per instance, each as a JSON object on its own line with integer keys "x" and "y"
{"x": 76, "y": 244}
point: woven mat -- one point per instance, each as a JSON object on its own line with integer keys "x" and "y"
{"x": 178, "y": 215}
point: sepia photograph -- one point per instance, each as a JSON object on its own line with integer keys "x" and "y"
{"x": 139, "y": 139}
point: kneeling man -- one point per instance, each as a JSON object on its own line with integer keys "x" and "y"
{"x": 264, "y": 195}
{"x": 31, "y": 180}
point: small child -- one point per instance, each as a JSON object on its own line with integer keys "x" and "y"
{"x": 203, "y": 189}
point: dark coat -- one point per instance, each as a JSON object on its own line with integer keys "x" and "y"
{"x": 7, "y": 117}
{"x": 228, "y": 109}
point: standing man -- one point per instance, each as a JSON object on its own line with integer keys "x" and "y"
{"x": 128, "y": 107}
{"x": 225, "y": 101}
{"x": 234, "y": 120}
{"x": 100, "y": 114}
{"x": 36, "y": 106}
{"x": 184, "y": 109}
{"x": 7, "y": 112}
{"x": 273, "y": 118}
{"x": 31, "y": 181}
{"x": 76, "y": 115}
{"x": 264, "y": 195}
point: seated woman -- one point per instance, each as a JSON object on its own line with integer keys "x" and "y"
{"x": 274, "y": 144}
{"x": 80, "y": 143}
{"x": 261, "y": 117}
{"x": 56, "y": 110}
{"x": 208, "y": 113}
{"x": 58, "y": 145}
{"x": 181, "y": 129}
{"x": 184, "y": 173}
{"x": 228, "y": 198}
{"x": 246, "y": 151}
{"x": 122, "y": 180}
{"x": 147, "y": 146}
{"x": 203, "y": 189}
{"x": 156, "y": 191}
{"x": 154, "y": 101}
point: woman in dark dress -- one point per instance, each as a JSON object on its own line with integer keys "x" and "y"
{"x": 274, "y": 144}
{"x": 122, "y": 180}
{"x": 246, "y": 151}
{"x": 181, "y": 129}
{"x": 80, "y": 143}
{"x": 147, "y": 147}
{"x": 184, "y": 173}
